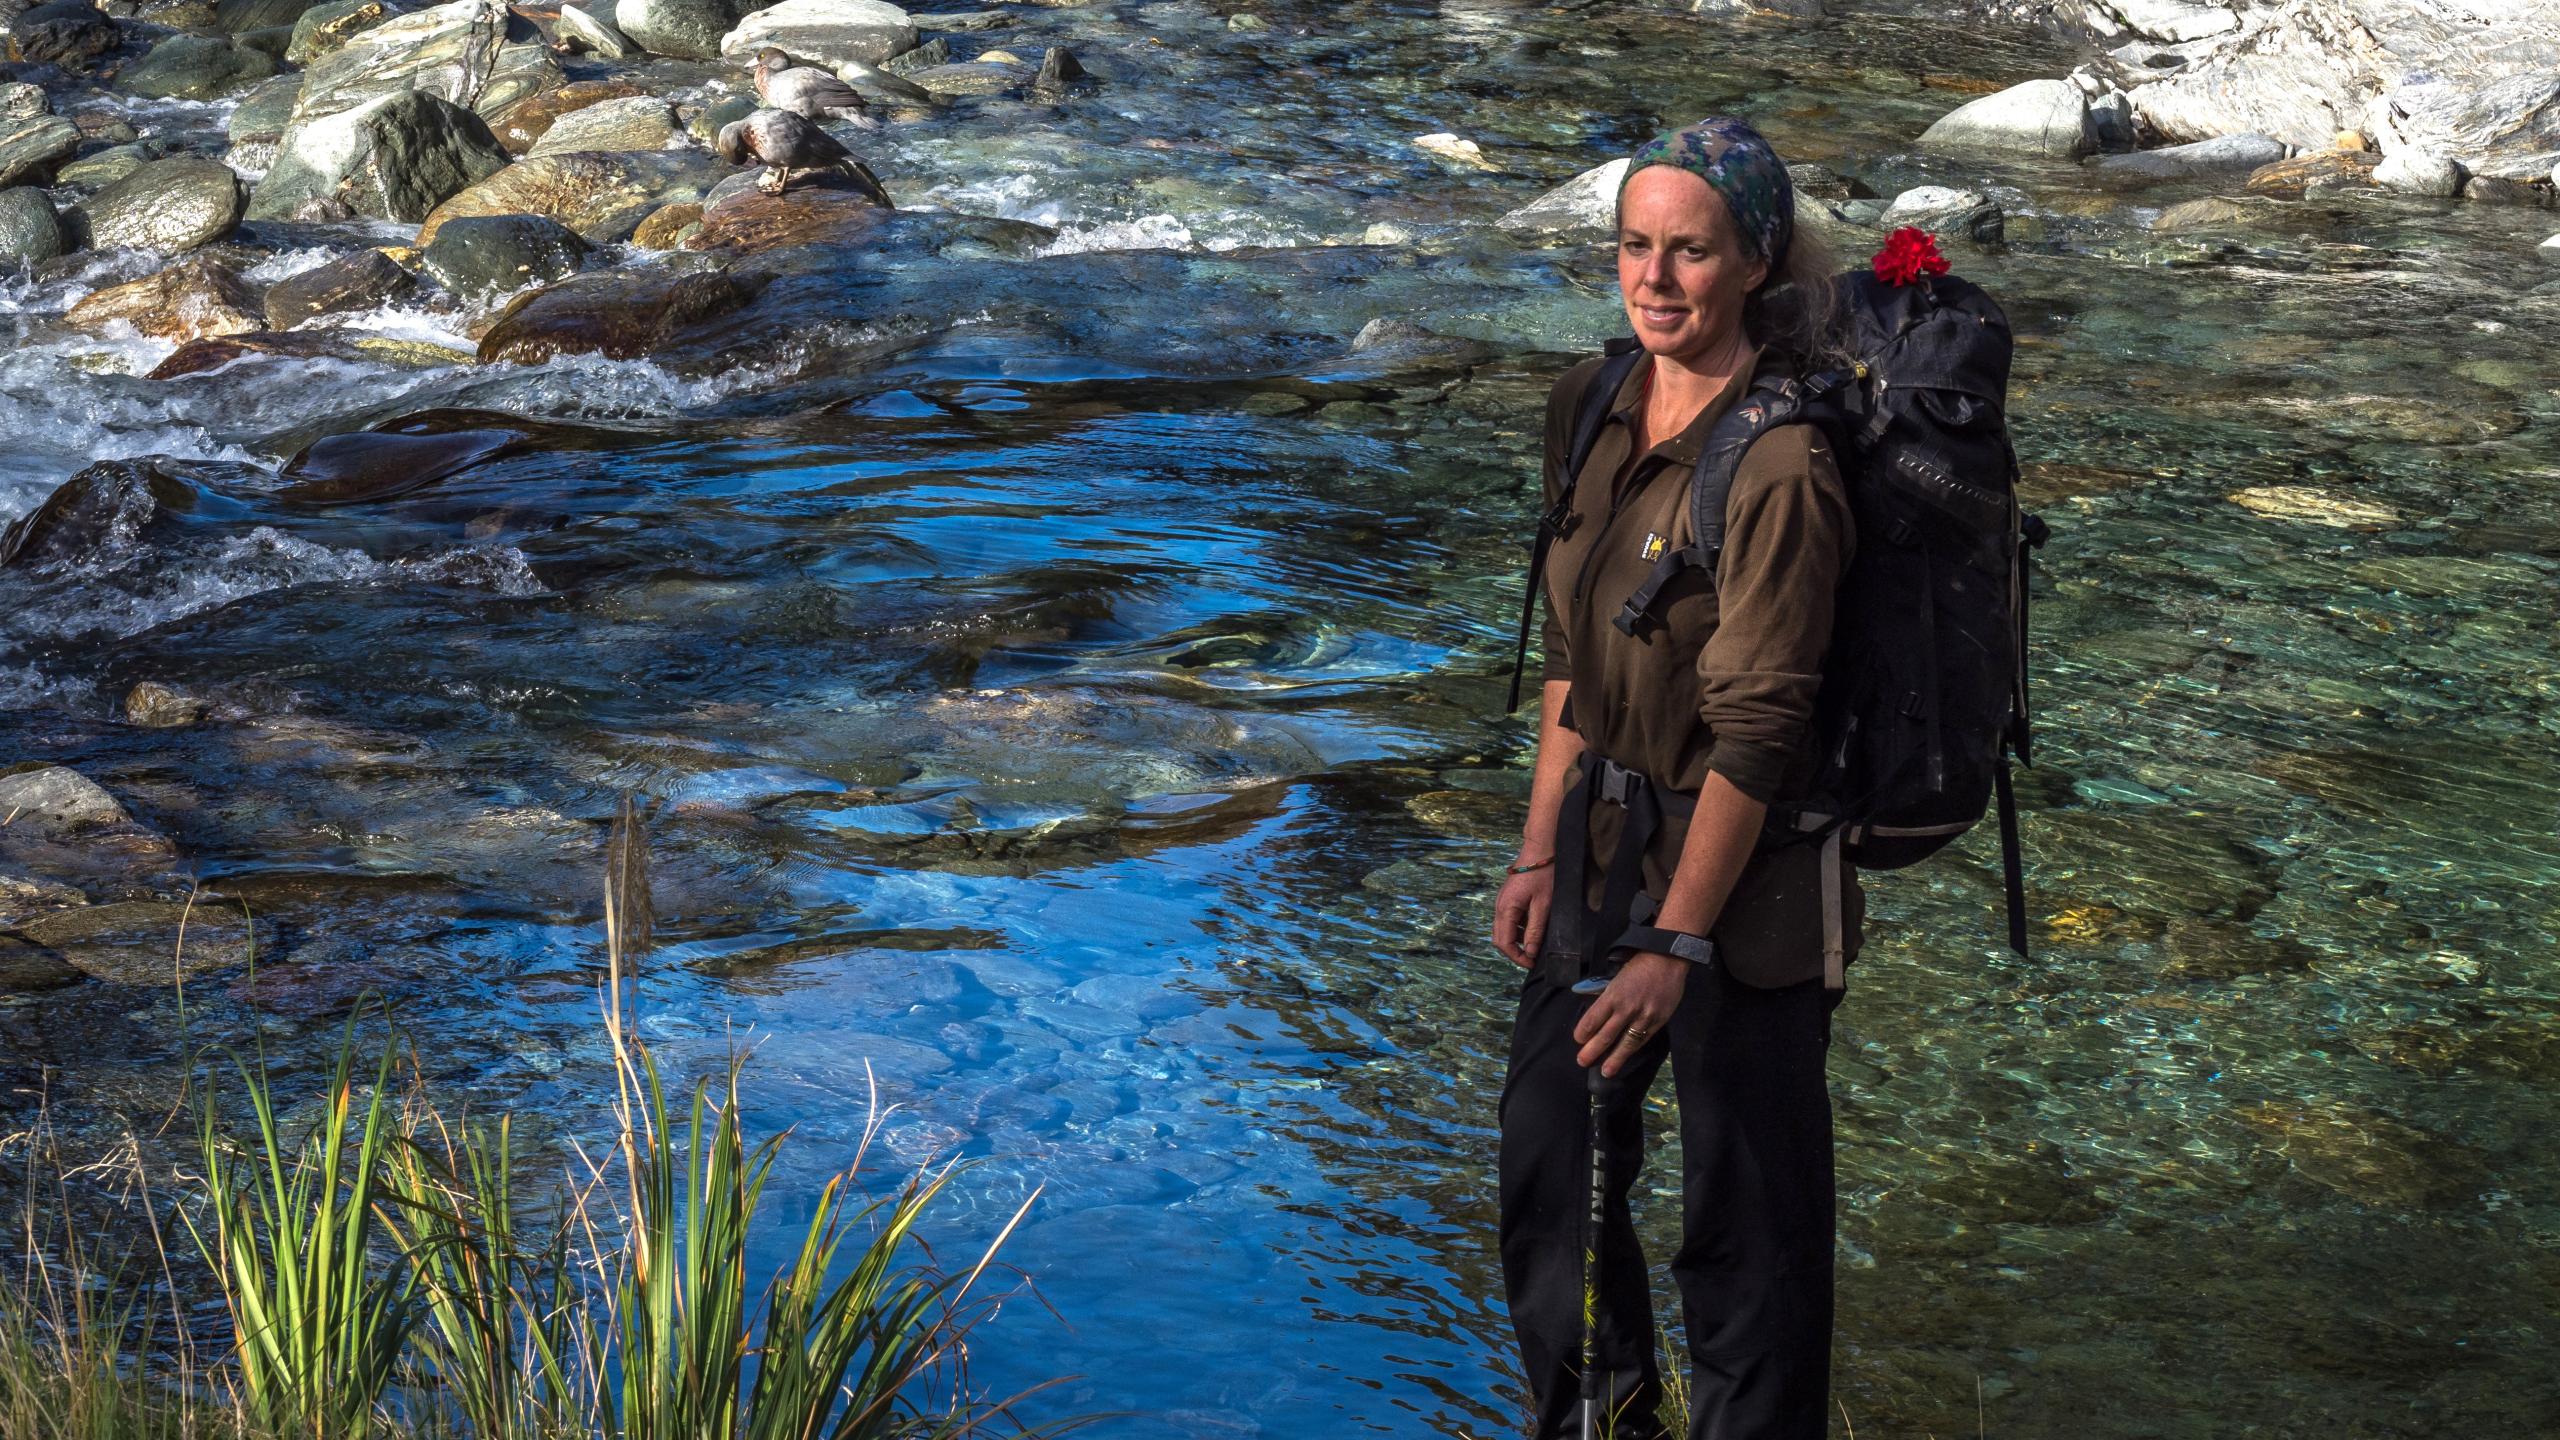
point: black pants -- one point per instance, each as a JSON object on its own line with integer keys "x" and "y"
{"x": 1754, "y": 1266}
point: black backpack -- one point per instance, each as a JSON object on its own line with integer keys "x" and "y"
{"x": 1924, "y": 694}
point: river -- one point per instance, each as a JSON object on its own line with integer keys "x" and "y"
{"x": 1068, "y": 682}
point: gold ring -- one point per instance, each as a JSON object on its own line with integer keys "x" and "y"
{"x": 1637, "y": 1033}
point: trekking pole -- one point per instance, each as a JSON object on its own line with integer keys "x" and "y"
{"x": 1594, "y": 1221}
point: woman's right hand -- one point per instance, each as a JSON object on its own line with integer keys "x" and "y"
{"x": 1520, "y": 912}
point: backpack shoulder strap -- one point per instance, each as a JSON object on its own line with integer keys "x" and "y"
{"x": 1590, "y": 414}
{"x": 1770, "y": 403}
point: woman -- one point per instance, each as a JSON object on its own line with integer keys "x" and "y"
{"x": 1672, "y": 743}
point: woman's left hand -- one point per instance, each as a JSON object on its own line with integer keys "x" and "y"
{"x": 1638, "y": 1003}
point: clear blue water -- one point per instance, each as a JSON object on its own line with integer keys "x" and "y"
{"x": 1071, "y": 684}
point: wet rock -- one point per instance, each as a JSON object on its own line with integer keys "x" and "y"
{"x": 706, "y": 123}
{"x": 108, "y": 504}
{"x": 2210, "y": 213}
{"x": 620, "y": 315}
{"x": 2225, "y": 155}
{"x": 1454, "y": 149}
{"x": 195, "y": 67}
{"x": 20, "y": 100}
{"x": 192, "y": 298}
{"x": 583, "y": 30}
{"x": 2419, "y": 172}
{"x": 395, "y": 158}
{"x": 2313, "y": 506}
{"x": 2498, "y": 190}
{"x": 26, "y": 968}
{"x": 2319, "y": 170}
{"x": 481, "y": 256}
{"x": 155, "y": 706}
{"x": 398, "y": 456}
{"x": 59, "y": 798}
{"x": 1816, "y": 182}
{"x": 880, "y": 85}
{"x": 668, "y": 226}
{"x": 360, "y": 280}
{"x": 324, "y": 28}
{"x": 976, "y": 77}
{"x": 1945, "y": 210}
{"x": 30, "y": 233}
{"x": 1587, "y": 202}
{"x": 24, "y": 897}
{"x": 473, "y": 53}
{"x": 524, "y": 124}
{"x": 31, "y": 148}
{"x": 1060, "y": 74}
{"x": 602, "y": 196}
{"x": 686, "y": 29}
{"x": 640, "y": 122}
{"x": 171, "y": 206}
{"x": 259, "y": 122}
{"x": 104, "y": 168}
{"x": 2111, "y": 118}
{"x": 826, "y": 32}
{"x": 196, "y": 357}
{"x": 2049, "y": 118}
{"x": 936, "y": 51}
{"x": 241, "y": 17}
{"x": 747, "y": 221}
{"x": 145, "y": 943}
{"x": 100, "y": 126}
{"x": 70, "y": 33}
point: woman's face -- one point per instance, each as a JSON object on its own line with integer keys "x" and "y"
{"x": 1681, "y": 265}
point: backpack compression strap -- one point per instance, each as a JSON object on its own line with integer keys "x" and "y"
{"x": 1594, "y": 412}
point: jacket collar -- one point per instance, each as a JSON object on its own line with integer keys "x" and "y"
{"x": 1683, "y": 448}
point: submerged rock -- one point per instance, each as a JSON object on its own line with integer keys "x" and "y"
{"x": 639, "y": 122}
{"x": 59, "y": 798}
{"x": 2049, "y": 118}
{"x": 324, "y": 28}
{"x": 2223, "y": 155}
{"x": 620, "y": 315}
{"x": 398, "y": 456}
{"x": 360, "y": 280}
{"x": 70, "y": 33}
{"x": 395, "y": 158}
{"x": 195, "y": 67}
{"x": 155, "y": 706}
{"x": 529, "y": 119}
{"x": 2315, "y": 506}
{"x": 26, "y": 968}
{"x": 603, "y": 196}
{"x": 479, "y": 256}
{"x": 826, "y": 32}
{"x": 170, "y": 205}
{"x": 1588, "y": 201}
{"x": 148, "y": 942}
{"x": 190, "y": 299}
{"x": 213, "y": 352}
{"x": 2319, "y": 170}
{"x": 32, "y": 146}
{"x": 30, "y": 233}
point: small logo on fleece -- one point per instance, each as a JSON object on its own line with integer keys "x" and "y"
{"x": 1652, "y": 546}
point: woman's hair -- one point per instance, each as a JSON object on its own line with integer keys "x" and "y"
{"x": 1796, "y": 310}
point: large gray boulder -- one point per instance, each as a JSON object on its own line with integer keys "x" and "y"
{"x": 395, "y": 158}
{"x": 31, "y": 148}
{"x": 167, "y": 205}
{"x": 1587, "y": 202}
{"x": 2200, "y": 159}
{"x": 30, "y": 233}
{"x": 195, "y": 67}
{"x": 2169, "y": 21}
{"x": 2048, "y": 118}
{"x": 2508, "y": 127}
{"x": 2420, "y": 172}
{"x": 686, "y": 29}
{"x": 473, "y": 53}
{"x": 833, "y": 33}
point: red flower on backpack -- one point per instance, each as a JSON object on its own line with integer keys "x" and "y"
{"x": 1908, "y": 254}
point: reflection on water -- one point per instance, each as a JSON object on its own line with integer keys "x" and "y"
{"x": 1070, "y": 684}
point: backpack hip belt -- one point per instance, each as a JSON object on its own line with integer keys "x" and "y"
{"x": 1624, "y": 904}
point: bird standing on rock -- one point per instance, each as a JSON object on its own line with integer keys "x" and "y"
{"x": 806, "y": 90}
{"x": 783, "y": 141}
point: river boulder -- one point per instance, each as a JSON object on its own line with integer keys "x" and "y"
{"x": 189, "y": 300}
{"x": 167, "y": 205}
{"x": 151, "y": 942}
{"x": 1587, "y": 202}
{"x": 70, "y": 33}
{"x": 2048, "y": 118}
{"x": 621, "y": 314}
{"x": 636, "y": 122}
{"x": 2315, "y": 171}
{"x": 33, "y": 146}
{"x": 324, "y": 28}
{"x": 2420, "y": 172}
{"x": 258, "y": 123}
{"x": 686, "y": 29}
{"x": 395, "y": 158}
{"x": 2202, "y": 159}
{"x": 2508, "y": 126}
{"x": 746, "y": 220}
{"x": 528, "y": 120}
{"x": 1946, "y": 210}
{"x": 99, "y": 169}
{"x": 481, "y": 256}
{"x": 195, "y": 67}
{"x": 474, "y": 53}
{"x": 602, "y": 195}
{"x": 358, "y": 280}
{"x": 823, "y": 32}
{"x": 583, "y": 29}
{"x": 30, "y": 233}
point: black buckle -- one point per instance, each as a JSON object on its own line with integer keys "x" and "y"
{"x": 1634, "y": 621}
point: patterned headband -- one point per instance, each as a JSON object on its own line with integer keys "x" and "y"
{"x": 1738, "y": 165}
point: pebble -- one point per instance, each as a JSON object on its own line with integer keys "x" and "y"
{"x": 1450, "y": 147}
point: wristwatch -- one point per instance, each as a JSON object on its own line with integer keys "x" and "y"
{"x": 1678, "y": 944}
